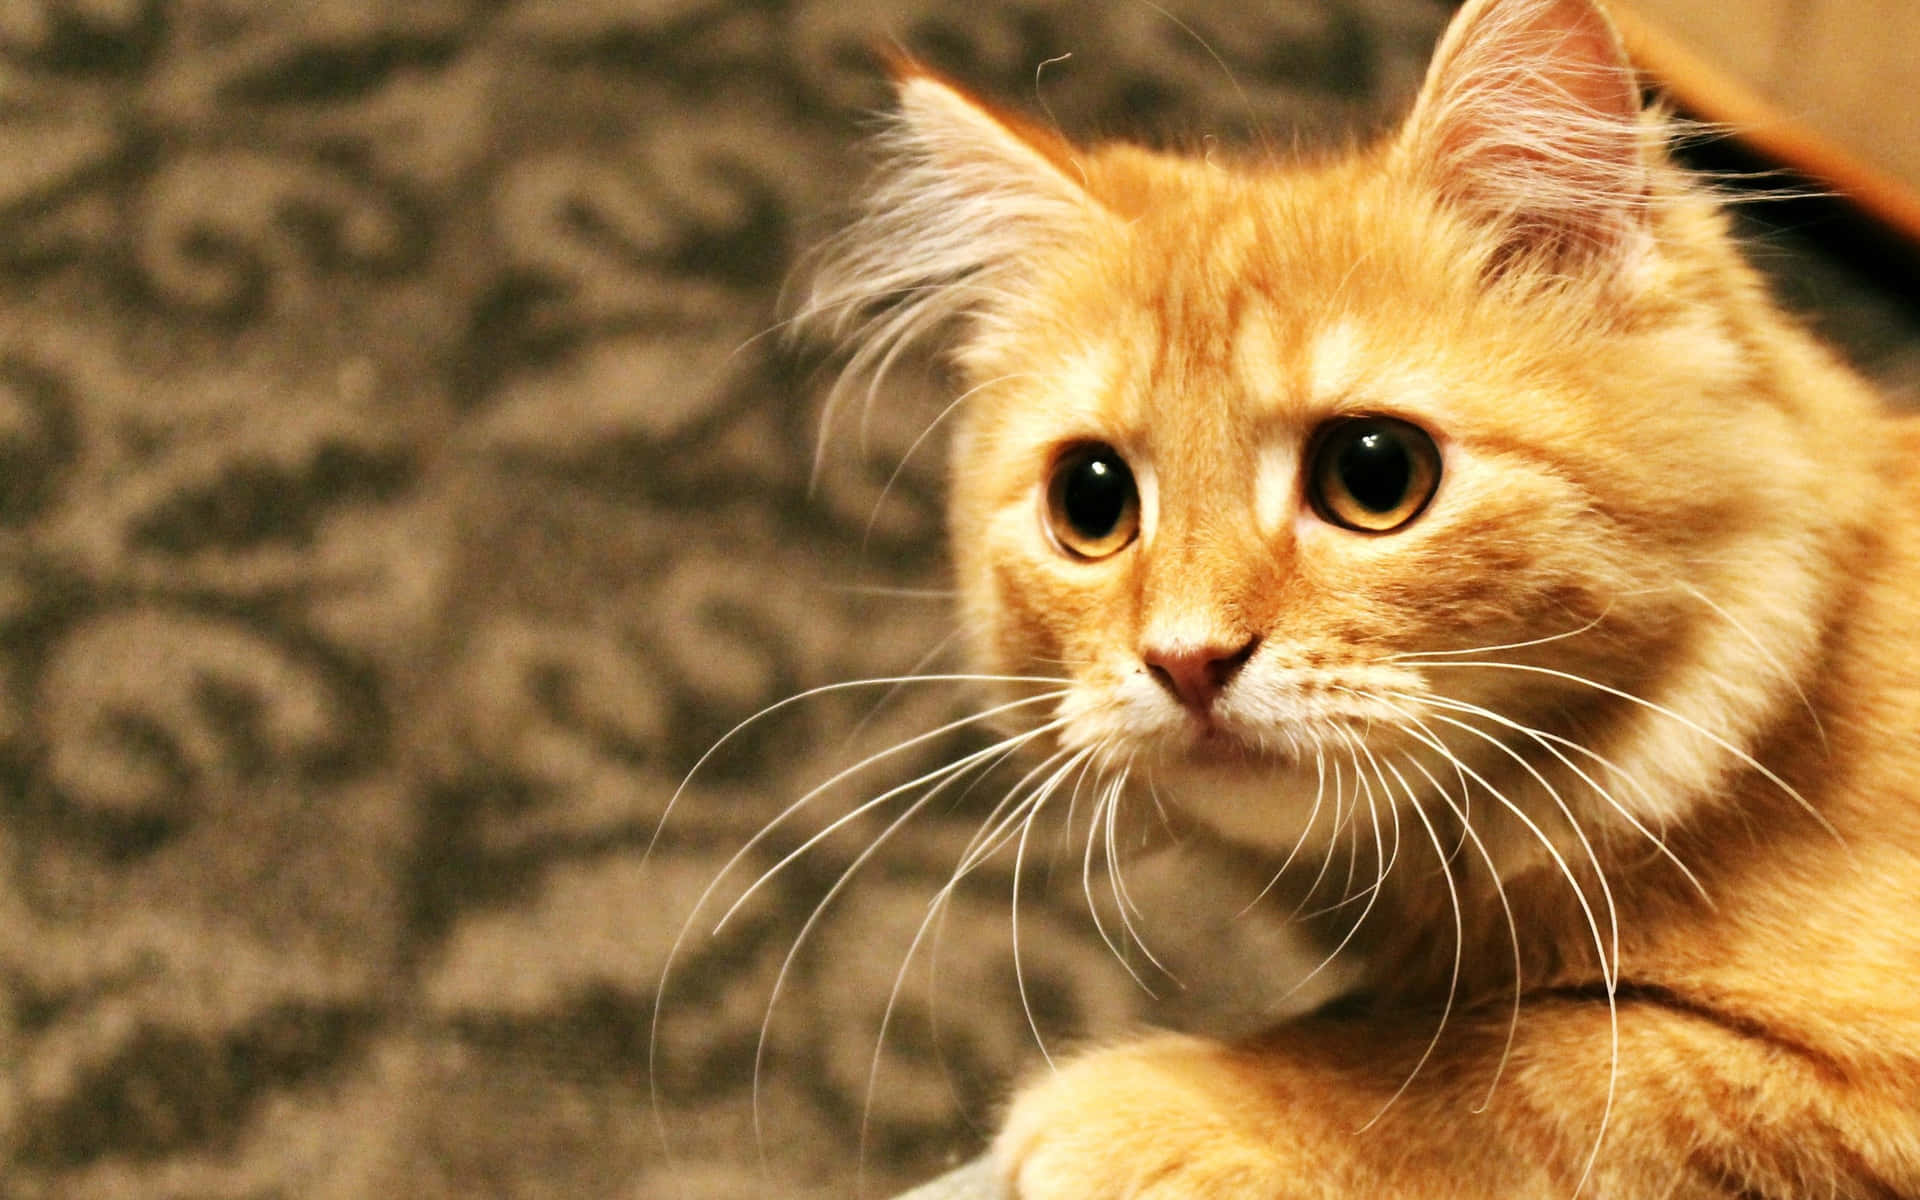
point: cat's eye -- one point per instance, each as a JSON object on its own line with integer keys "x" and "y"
{"x": 1093, "y": 507}
{"x": 1372, "y": 474}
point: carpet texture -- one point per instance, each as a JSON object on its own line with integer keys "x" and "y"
{"x": 398, "y": 495}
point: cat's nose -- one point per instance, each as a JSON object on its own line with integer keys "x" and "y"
{"x": 1196, "y": 675}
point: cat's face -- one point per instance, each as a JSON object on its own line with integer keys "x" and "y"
{"x": 1251, "y": 447}
{"x": 1435, "y": 469}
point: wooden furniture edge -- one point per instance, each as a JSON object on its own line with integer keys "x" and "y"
{"x": 1702, "y": 90}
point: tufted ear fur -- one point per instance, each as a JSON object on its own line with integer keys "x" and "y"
{"x": 980, "y": 154}
{"x": 966, "y": 196}
{"x": 1530, "y": 122}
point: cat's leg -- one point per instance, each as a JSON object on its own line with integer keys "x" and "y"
{"x": 1697, "y": 1106}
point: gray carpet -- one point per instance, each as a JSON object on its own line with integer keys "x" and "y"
{"x": 395, "y": 501}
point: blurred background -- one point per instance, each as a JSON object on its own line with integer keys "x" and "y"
{"x": 403, "y": 482}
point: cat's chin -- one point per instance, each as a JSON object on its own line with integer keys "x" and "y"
{"x": 1259, "y": 798}
{"x": 1209, "y": 746}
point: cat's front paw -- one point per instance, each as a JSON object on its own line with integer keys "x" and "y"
{"x": 1171, "y": 1118}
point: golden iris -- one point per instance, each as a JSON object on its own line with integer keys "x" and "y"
{"x": 1372, "y": 474}
{"x": 1093, "y": 506}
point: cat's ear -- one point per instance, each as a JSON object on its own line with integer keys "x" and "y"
{"x": 966, "y": 196}
{"x": 1530, "y": 122}
{"x": 983, "y": 155}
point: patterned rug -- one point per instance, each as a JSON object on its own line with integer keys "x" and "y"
{"x": 399, "y": 492}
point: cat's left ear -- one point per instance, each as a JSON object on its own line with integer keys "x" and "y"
{"x": 967, "y": 197}
{"x": 982, "y": 154}
{"x": 1530, "y": 122}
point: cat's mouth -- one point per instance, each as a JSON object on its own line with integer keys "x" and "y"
{"x": 1207, "y": 742}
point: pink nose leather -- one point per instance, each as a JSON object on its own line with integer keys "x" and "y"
{"x": 1196, "y": 675}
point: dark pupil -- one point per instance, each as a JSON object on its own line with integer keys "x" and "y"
{"x": 1376, "y": 471}
{"x": 1096, "y": 495}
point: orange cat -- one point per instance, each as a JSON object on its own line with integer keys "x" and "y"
{"x": 1460, "y": 516}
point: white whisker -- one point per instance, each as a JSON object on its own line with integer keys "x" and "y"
{"x": 1743, "y": 756}
{"x": 936, "y": 907}
{"x": 1022, "y": 810}
{"x": 1610, "y": 954}
{"x": 913, "y": 672}
{"x": 823, "y": 690}
{"x": 663, "y": 984}
{"x": 1373, "y": 893}
{"x": 1580, "y": 897}
{"x": 1019, "y": 859}
{"x": 1153, "y": 793}
{"x": 942, "y": 595}
{"x": 1233, "y": 80}
{"x": 1506, "y": 908}
{"x": 837, "y": 823}
{"x": 1123, "y": 899}
{"x": 942, "y": 778}
{"x": 1766, "y": 654}
{"x": 993, "y": 836}
{"x": 1414, "y": 655}
{"x": 1549, "y": 741}
{"x": 1459, "y": 940}
{"x": 1104, "y": 798}
{"x": 1319, "y": 788}
{"x": 1326, "y": 860}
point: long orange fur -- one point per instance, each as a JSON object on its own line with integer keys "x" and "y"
{"x": 1640, "y": 689}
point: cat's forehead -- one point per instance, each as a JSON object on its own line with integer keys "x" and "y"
{"x": 1268, "y": 296}
{"x": 1282, "y": 365}
{"x": 1254, "y": 361}
{"x": 1231, "y": 312}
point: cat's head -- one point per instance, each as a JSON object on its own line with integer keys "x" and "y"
{"x": 1459, "y": 458}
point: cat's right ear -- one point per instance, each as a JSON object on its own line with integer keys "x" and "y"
{"x": 966, "y": 195}
{"x": 1530, "y": 122}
